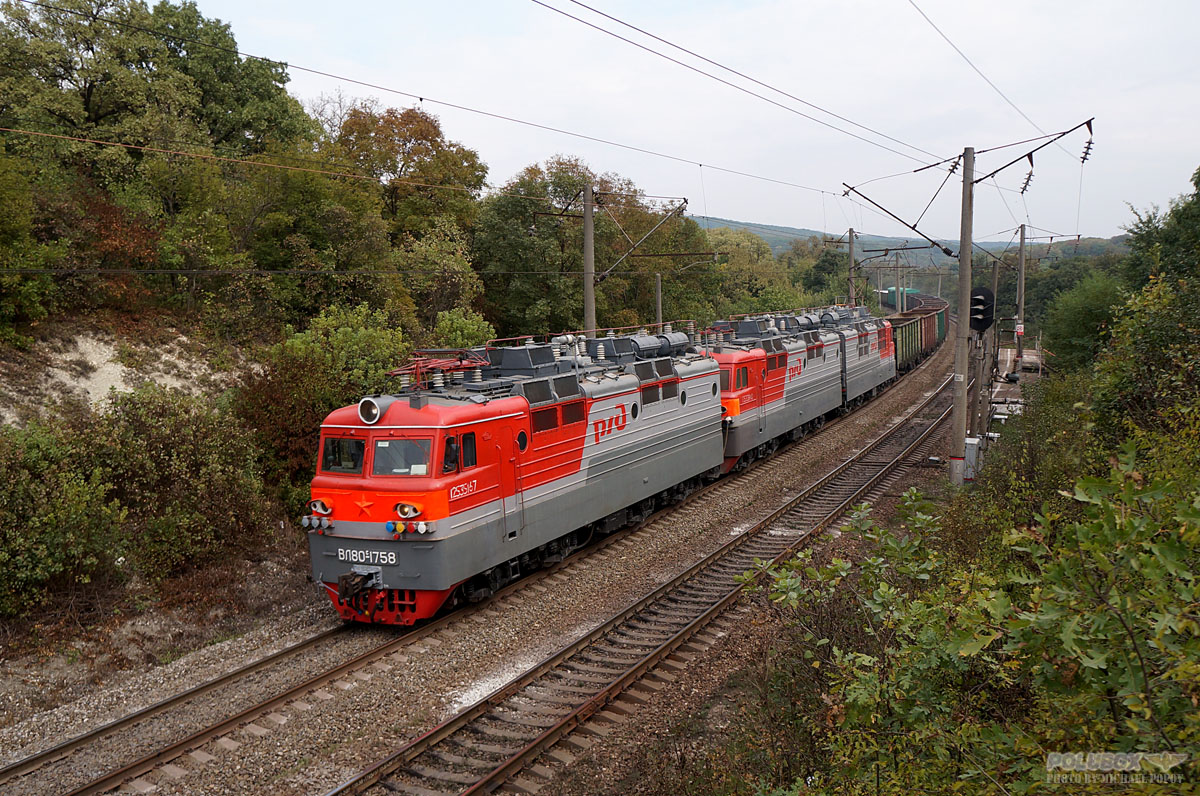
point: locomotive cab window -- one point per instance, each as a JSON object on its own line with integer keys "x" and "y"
{"x": 467, "y": 450}
{"x": 401, "y": 457}
{"x": 450, "y": 455}
{"x": 743, "y": 378}
{"x": 725, "y": 379}
{"x": 342, "y": 455}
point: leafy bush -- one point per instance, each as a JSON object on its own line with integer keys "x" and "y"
{"x": 187, "y": 473}
{"x": 344, "y": 355}
{"x": 1153, "y": 361}
{"x": 59, "y": 527}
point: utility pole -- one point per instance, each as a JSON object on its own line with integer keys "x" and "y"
{"x": 939, "y": 273}
{"x": 1020, "y": 332}
{"x": 589, "y": 263}
{"x": 899, "y": 295}
{"x": 658, "y": 300}
{"x": 853, "y": 302}
{"x": 962, "y": 332}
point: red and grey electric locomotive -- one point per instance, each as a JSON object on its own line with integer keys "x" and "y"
{"x": 494, "y": 461}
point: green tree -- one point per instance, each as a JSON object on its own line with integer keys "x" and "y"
{"x": 1077, "y": 321}
{"x": 23, "y": 297}
{"x": 241, "y": 102}
{"x": 438, "y": 273}
{"x": 424, "y": 176}
{"x": 58, "y": 526}
{"x": 1165, "y": 245}
{"x": 828, "y": 273}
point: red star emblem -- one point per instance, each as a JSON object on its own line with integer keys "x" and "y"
{"x": 363, "y": 505}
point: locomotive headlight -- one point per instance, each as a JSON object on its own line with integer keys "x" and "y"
{"x": 320, "y": 507}
{"x": 407, "y": 511}
{"x": 371, "y": 408}
{"x": 368, "y": 410}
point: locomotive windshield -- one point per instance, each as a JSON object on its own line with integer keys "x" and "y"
{"x": 342, "y": 455}
{"x": 401, "y": 457}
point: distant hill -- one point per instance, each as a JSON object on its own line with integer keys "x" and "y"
{"x": 779, "y": 238}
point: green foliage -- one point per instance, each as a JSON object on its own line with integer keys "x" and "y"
{"x": 1083, "y": 634}
{"x": 23, "y": 298}
{"x": 59, "y": 526}
{"x": 1113, "y": 610}
{"x": 240, "y": 102}
{"x": 828, "y": 272}
{"x": 187, "y": 473}
{"x": 1151, "y": 368}
{"x": 1165, "y": 245}
{"x": 158, "y": 482}
{"x": 1078, "y": 320}
{"x": 408, "y": 153}
{"x": 343, "y": 355}
{"x": 439, "y": 276}
{"x": 459, "y": 328}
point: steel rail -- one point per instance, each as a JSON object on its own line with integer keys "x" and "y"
{"x": 35, "y": 761}
{"x": 410, "y": 751}
{"x": 153, "y": 760}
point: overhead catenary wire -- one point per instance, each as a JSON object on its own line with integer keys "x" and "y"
{"x": 945, "y": 249}
{"x": 258, "y": 163}
{"x": 325, "y": 172}
{"x": 421, "y": 98}
{"x": 1029, "y": 155}
{"x": 978, "y": 71}
{"x": 729, "y": 83}
{"x": 735, "y": 72}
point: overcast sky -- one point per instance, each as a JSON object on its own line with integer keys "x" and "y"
{"x": 1135, "y": 67}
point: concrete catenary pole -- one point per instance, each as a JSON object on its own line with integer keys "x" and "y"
{"x": 658, "y": 300}
{"x": 1020, "y": 333}
{"x": 962, "y": 333}
{"x": 899, "y": 287}
{"x": 589, "y": 264}
{"x": 853, "y": 299}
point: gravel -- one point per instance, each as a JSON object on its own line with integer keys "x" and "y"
{"x": 310, "y": 746}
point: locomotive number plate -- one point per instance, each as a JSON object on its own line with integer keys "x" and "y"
{"x": 366, "y": 556}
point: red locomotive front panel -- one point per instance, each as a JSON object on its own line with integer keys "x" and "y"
{"x": 386, "y": 491}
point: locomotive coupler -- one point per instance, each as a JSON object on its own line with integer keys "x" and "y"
{"x": 358, "y": 580}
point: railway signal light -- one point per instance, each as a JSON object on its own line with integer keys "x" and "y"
{"x": 983, "y": 309}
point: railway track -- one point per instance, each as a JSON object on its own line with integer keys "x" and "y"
{"x": 191, "y": 742}
{"x": 577, "y": 687}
